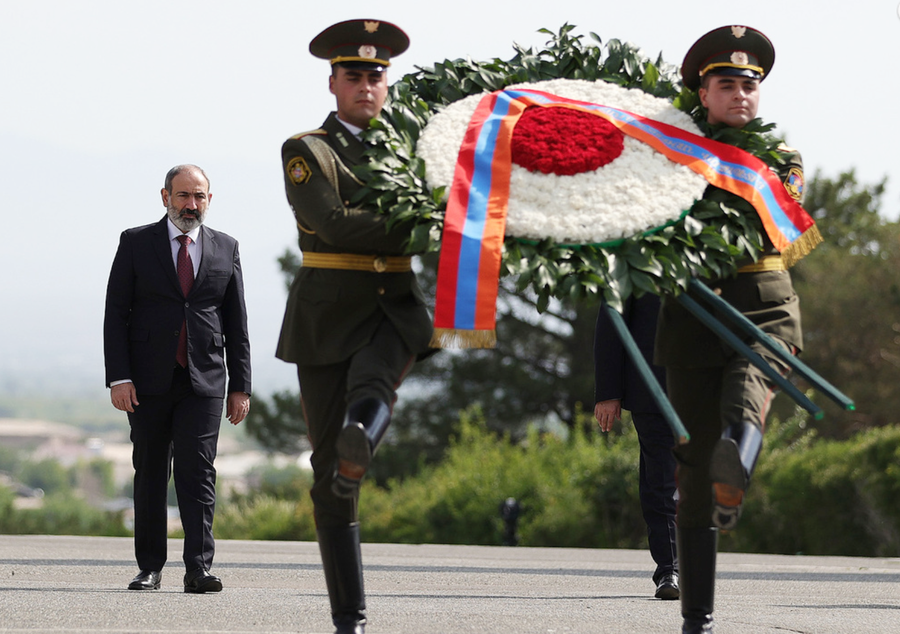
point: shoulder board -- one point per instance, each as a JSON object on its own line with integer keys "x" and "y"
{"x": 318, "y": 132}
{"x": 786, "y": 148}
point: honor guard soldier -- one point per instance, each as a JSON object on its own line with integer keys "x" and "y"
{"x": 355, "y": 320}
{"x": 721, "y": 397}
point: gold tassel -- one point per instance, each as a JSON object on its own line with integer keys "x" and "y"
{"x": 454, "y": 338}
{"x": 802, "y": 246}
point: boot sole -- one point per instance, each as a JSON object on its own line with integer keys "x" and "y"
{"x": 725, "y": 466}
{"x": 729, "y": 484}
{"x": 354, "y": 457}
{"x": 353, "y": 446}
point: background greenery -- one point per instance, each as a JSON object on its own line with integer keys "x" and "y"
{"x": 474, "y": 427}
{"x": 809, "y": 495}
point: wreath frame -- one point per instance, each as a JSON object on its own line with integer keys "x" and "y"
{"x": 716, "y": 233}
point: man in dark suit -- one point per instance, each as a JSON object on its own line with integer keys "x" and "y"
{"x": 175, "y": 321}
{"x": 355, "y": 319}
{"x": 618, "y": 385}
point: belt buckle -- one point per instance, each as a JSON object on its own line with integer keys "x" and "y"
{"x": 379, "y": 264}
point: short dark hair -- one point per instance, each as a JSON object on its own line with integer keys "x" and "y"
{"x": 178, "y": 169}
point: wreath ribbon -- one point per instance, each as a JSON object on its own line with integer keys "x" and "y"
{"x": 475, "y": 222}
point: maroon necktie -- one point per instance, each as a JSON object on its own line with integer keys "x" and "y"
{"x": 186, "y": 278}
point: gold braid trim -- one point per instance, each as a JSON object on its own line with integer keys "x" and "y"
{"x": 765, "y": 263}
{"x": 802, "y": 246}
{"x": 329, "y": 161}
{"x": 453, "y": 338}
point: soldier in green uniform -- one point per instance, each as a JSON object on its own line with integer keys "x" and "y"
{"x": 722, "y": 398}
{"x": 355, "y": 319}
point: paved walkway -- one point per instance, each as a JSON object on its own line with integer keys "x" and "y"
{"x": 77, "y": 584}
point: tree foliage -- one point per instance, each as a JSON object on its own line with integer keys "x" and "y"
{"x": 850, "y": 299}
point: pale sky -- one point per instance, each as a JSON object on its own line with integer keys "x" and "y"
{"x": 102, "y": 97}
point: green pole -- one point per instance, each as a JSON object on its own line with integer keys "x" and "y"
{"x": 646, "y": 373}
{"x": 732, "y": 340}
{"x": 753, "y": 330}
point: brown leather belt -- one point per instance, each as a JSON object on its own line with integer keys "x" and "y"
{"x": 356, "y": 262}
{"x": 765, "y": 263}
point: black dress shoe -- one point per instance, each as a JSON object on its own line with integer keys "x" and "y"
{"x": 146, "y": 580}
{"x": 200, "y": 581}
{"x": 667, "y": 588}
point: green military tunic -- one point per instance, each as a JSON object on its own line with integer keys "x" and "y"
{"x": 711, "y": 386}
{"x": 352, "y": 333}
{"x": 332, "y": 313}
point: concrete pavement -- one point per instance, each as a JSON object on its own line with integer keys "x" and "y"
{"x": 77, "y": 584}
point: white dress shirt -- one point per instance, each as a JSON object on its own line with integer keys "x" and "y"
{"x": 195, "y": 249}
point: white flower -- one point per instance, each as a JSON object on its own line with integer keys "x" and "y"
{"x": 639, "y": 190}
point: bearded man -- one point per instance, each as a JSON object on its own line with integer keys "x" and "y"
{"x": 175, "y": 327}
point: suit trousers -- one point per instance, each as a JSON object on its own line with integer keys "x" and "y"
{"x": 708, "y": 400}
{"x": 177, "y": 429}
{"x": 657, "y": 486}
{"x": 376, "y": 370}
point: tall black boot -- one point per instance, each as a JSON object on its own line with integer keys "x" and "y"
{"x": 697, "y": 572}
{"x": 342, "y": 562}
{"x": 365, "y": 426}
{"x": 733, "y": 460}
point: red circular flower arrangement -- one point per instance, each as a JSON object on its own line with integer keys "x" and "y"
{"x": 564, "y": 141}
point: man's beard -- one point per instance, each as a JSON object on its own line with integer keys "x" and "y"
{"x": 183, "y": 222}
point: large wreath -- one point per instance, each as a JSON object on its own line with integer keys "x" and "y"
{"x": 717, "y": 231}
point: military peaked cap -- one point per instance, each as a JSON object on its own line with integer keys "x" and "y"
{"x": 360, "y": 43}
{"x": 728, "y": 50}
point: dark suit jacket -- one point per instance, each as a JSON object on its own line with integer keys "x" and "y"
{"x": 145, "y": 309}
{"x": 330, "y": 313}
{"x": 615, "y": 375}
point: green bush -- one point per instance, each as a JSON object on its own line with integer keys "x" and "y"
{"x": 826, "y": 498}
{"x": 46, "y": 474}
{"x": 10, "y": 459}
{"x": 808, "y": 495}
{"x": 264, "y": 517}
{"x": 61, "y": 514}
{"x": 579, "y": 492}
{"x": 288, "y": 482}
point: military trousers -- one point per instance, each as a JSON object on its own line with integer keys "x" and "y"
{"x": 708, "y": 400}
{"x": 376, "y": 370}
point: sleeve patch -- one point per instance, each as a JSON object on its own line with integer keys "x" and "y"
{"x": 794, "y": 183}
{"x": 298, "y": 170}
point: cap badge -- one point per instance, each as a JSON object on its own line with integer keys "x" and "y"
{"x": 738, "y": 31}
{"x": 371, "y": 27}
{"x": 740, "y": 58}
{"x": 368, "y": 51}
